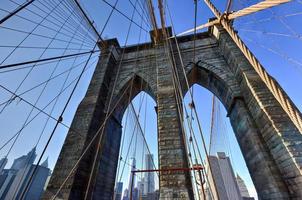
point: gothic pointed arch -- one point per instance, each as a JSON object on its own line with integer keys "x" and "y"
{"x": 127, "y": 89}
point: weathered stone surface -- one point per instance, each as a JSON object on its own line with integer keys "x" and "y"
{"x": 269, "y": 141}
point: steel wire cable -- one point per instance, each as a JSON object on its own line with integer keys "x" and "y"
{"x": 32, "y": 68}
{"x": 129, "y": 102}
{"x": 40, "y": 110}
{"x": 287, "y": 105}
{"x": 59, "y": 15}
{"x": 257, "y": 21}
{"x": 101, "y": 127}
{"x": 110, "y": 101}
{"x": 18, "y": 9}
{"x": 50, "y": 21}
{"x": 49, "y": 79}
{"x": 38, "y": 24}
{"x": 125, "y": 16}
{"x": 88, "y": 146}
{"x": 38, "y": 35}
{"x": 177, "y": 87}
{"x": 28, "y": 116}
{"x": 61, "y": 12}
{"x": 32, "y": 175}
{"x": 190, "y": 93}
{"x": 179, "y": 101}
{"x": 296, "y": 63}
{"x": 57, "y": 123}
{"x": 41, "y": 25}
{"x": 39, "y": 64}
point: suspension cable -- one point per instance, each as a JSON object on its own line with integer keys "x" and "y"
{"x": 191, "y": 95}
{"x": 21, "y": 7}
{"x": 125, "y": 16}
{"x": 47, "y": 59}
{"x": 51, "y": 112}
{"x": 40, "y": 110}
{"x": 277, "y": 92}
{"x": 109, "y": 105}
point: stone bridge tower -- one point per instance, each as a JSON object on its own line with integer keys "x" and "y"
{"x": 269, "y": 141}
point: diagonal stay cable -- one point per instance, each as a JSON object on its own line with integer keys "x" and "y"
{"x": 52, "y": 109}
{"x": 37, "y": 47}
{"x": 89, "y": 145}
{"x": 110, "y": 101}
{"x": 47, "y": 59}
{"x": 49, "y": 79}
{"x": 70, "y": 25}
{"x": 36, "y": 101}
{"x": 33, "y": 67}
{"x": 39, "y": 64}
{"x": 41, "y": 110}
{"x": 39, "y": 35}
{"x": 124, "y": 15}
{"x": 190, "y": 92}
{"x": 61, "y": 12}
{"x": 35, "y": 28}
{"x": 18, "y": 9}
{"x": 41, "y": 25}
{"x": 56, "y": 125}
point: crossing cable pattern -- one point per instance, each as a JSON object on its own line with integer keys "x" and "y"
{"x": 37, "y": 62}
{"x": 78, "y": 30}
{"x": 177, "y": 88}
{"x": 18, "y": 9}
{"x": 101, "y": 129}
{"x": 277, "y": 50}
{"x": 280, "y": 96}
{"x": 36, "y": 101}
{"x": 191, "y": 96}
{"x": 42, "y": 110}
{"x": 109, "y": 106}
{"x": 267, "y": 19}
{"x": 32, "y": 109}
{"x": 25, "y": 190}
{"x": 246, "y": 11}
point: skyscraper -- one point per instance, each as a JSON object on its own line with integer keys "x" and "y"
{"x": 131, "y": 177}
{"x": 3, "y": 162}
{"x": 140, "y": 187}
{"x": 242, "y": 187}
{"x": 149, "y": 185}
{"x": 16, "y": 174}
{"x": 222, "y": 180}
{"x": 17, "y": 178}
{"x": 118, "y": 191}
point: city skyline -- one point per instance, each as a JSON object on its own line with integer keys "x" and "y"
{"x": 16, "y": 181}
{"x": 286, "y": 53}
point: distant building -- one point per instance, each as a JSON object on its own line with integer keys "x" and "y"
{"x": 131, "y": 185}
{"x": 13, "y": 181}
{"x": 149, "y": 185}
{"x": 36, "y": 187}
{"x": 242, "y": 187}
{"x": 140, "y": 187}
{"x": 222, "y": 181}
{"x": 145, "y": 188}
{"x": 135, "y": 194}
{"x": 118, "y": 191}
{"x": 3, "y": 162}
{"x": 126, "y": 197}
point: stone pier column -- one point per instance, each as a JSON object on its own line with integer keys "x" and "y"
{"x": 88, "y": 119}
{"x": 263, "y": 170}
{"x": 172, "y": 153}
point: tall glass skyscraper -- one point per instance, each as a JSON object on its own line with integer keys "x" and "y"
{"x": 149, "y": 185}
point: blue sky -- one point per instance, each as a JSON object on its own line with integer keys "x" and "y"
{"x": 276, "y": 42}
